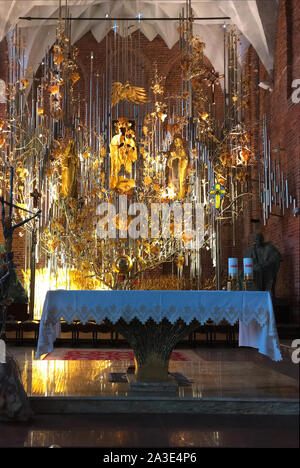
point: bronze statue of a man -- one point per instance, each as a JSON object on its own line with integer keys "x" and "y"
{"x": 266, "y": 263}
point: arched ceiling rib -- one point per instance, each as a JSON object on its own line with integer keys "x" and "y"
{"x": 256, "y": 19}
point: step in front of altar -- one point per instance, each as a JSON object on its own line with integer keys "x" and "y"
{"x": 139, "y": 404}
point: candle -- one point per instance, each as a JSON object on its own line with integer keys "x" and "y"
{"x": 248, "y": 268}
{"x": 233, "y": 267}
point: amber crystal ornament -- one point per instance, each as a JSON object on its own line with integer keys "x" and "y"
{"x": 123, "y": 264}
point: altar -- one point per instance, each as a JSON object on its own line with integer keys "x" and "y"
{"x": 153, "y": 322}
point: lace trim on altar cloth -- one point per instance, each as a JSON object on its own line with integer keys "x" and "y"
{"x": 144, "y": 313}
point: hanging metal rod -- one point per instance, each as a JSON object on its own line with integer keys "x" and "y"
{"x": 211, "y": 18}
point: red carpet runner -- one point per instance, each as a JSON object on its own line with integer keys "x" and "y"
{"x": 101, "y": 355}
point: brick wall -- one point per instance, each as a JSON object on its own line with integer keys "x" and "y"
{"x": 284, "y": 131}
{"x": 19, "y": 235}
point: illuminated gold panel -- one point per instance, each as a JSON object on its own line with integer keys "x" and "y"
{"x": 62, "y": 278}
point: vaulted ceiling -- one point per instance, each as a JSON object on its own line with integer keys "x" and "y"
{"x": 256, "y": 20}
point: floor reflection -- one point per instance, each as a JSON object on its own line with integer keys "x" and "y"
{"x": 153, "y": 430}
{"x": 71, "y": 438}
{"x": 65, "y": 378}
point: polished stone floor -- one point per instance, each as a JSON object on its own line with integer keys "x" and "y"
{"x": 235, "y": 372}
{"x": 215, "y": 372}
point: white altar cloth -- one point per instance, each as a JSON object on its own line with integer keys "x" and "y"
{"x": 253, "y": 310}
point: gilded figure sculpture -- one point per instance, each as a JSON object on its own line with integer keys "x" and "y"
{"x": 180, "y": 174}
{"x": 69, "y": 171}
{"x": 123, "y": 151}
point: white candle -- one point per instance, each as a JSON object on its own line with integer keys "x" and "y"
{"x": 233, "y": 267}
